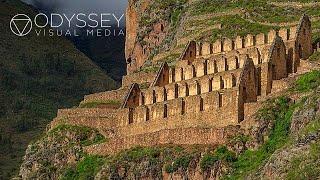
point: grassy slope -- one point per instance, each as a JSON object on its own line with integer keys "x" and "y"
{"x": 238, "y": 17}
{"x": 38, "y": 75}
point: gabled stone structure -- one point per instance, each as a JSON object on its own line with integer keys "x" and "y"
{"x": 206, "y": 91}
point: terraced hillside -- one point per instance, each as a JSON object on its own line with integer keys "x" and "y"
{"x": 38, "y": 75}
{"x": 279, "y": 138}
{"x": 209, "y": 20}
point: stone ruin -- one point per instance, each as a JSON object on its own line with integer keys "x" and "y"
{"x": 209, "y": 89}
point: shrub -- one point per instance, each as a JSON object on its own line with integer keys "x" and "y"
{"x": 138, "y": 153}
{"x": 85, "y": 169}
{"x": 308, "y": 81}
{"x": 87, "y": 136}
{"x": 207, "y": 161}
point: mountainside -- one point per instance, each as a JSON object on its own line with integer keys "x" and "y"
{"x": 38, "y": 75}
{"x": 158, "y": 31}
{"x": 279, "y": 141}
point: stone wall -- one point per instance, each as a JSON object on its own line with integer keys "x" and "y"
{"x": 216, "y": 108}
{"x": 189, "y": 53}
{"x": 115, "y": 95}
{"x": 206, "y": 49}
{"x": 304, "y": 38}
{"x": 139, "y": 78}
{"x": 180, "y": 136}
{"x": 162, "y": 77}
{"x": 194, "y": 86}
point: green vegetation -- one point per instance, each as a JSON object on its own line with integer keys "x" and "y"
{"x": 144, "y": 85}
{"x": 255, "y": 10}
{"x": 237, "y": 26}
{"x": 279, "y": 111}
{"x": 86, "y": 136}
{"x": 308, "y": 81}
{"x": 152, "y": 68}
{"x": 220, "y": 154}
{"x": 315, "y": 56}
{"x": 65, "y": 142}
{"x": 85, "y": 169}
{"x": 307, "y": 166}
{"x": 100, "y": 103}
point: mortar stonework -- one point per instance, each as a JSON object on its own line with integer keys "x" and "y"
{"x": 212, "y": 86}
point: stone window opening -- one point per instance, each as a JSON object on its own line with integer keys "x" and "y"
{"x": 142, "y": 99}
{"x": 154, "y": 99}
{"x": 182, "y": 74}
{"x": 210, "y": 85}
{"x": 300, "y": 51}
{"x": 165, "y": 111}
{"x": 234, "y": 80}
{"x": 211, "y": 48}
{"x": 176, "y": 92}
{"x": 187, "y": 90}
{"x": 200, "y": 49}
{"x": 221, "y": 83}
{"x": 147, "y": 114}
{"x": 183, "y": 108}
{"x": 237, "y": 63}
{"x": 173, "y": 75}
{"x": 193, "y": 71}
{"x": 130, "y": 116}
{"x": 222, "y": 47}
{"x": 201, "y": 104}
{"x": 259, "y": 80}
{"x": 198, "y": 88}
{"x": 226, "y": 67}
{"x": 205, "y": 67}
{"x": 220, "y": 103}
{"x": 215, "y": 66}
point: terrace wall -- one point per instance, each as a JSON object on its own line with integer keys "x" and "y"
{"x": 217, "y": 108}
{"x": 115, "y": 95}
{"x": 139, "y": 78}
{"x": 180, "y": 136}
{"x": 206, "y": 49}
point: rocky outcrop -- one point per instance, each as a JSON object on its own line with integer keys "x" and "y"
{"x": 299, "y": 153}
{"x": 150, "y": 27}
{"x": 49, "y": 157}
